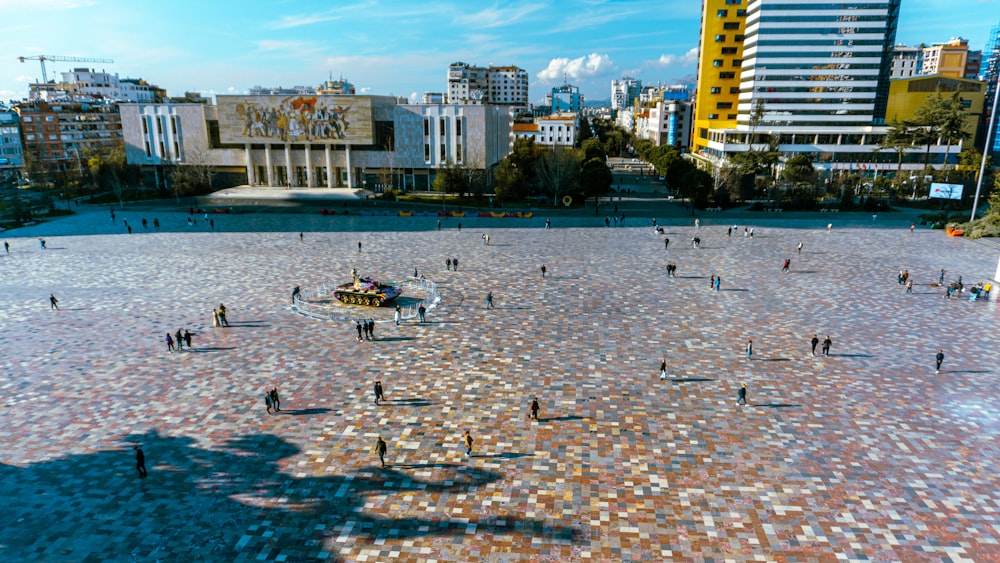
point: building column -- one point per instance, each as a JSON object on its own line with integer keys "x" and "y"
{"x": 329, "y": 166}
{"x": 350, "y": 171}
{"x": 269, "y": 163}
{"x": 309, "y": 167}
{"x": 248, "y": 155}
{"x": 288, "y": 165}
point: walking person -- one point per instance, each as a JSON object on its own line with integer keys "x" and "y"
{"x": 6, "y": 246}
{"x": 358, "y": 326}
{"x": 742, "y": 395}
{"x": 489, "y": 299}
{"x": 222, "y": 315}
{"x": 268, "y": 402}
{"x": 548, "y": 223}
{"x": 666, "y": 243}
{"x": 215, "y": 318}
{"x": 379, "y": 396}
{"x": 800, "y": 247}
{"x": 826, "y": 346}
{"x": 359, "y": 247}
{"x": 749, "y": 348}
{"x": 534, "y": 408}
{"x": 295, "y": 293}
{"x": 170, "y": 343}
{"x": 41, "y": 243}
{"x": 468, "y": 443}
{"x": 397, "y": 315}
{"x": 814, "y": 342}
{"x": 784, "y": 267}
{"x": 938, "y": 359}
{"x": 140, "y": 462}
{"x": 371, "y": 328}
{"x": 663, "y": 369}
{"x": 543, "y": 270}
{"x": 187, "y": 339}
{"x": 179, "y": 339}
{"x": 909, "y": 286}
{"x": 711, "y": 282}
{"x": 454, "y": 261}
{"x": 447, "y": 263}
{"x": 53, "y": 302}
{"x": 718, "y": 283}
{"x": 380, "y": 449}
{"x": 422, "y": 311}
{"x": 275, "y": 400}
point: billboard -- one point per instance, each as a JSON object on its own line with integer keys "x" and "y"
{"x": 946, "y": 191}
{"x": 340, "y": 120}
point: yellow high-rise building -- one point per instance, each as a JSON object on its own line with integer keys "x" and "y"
{"x": 719, "y": 61}
{"x": 908, "y": 95}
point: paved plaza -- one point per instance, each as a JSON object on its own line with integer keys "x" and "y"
{"x": 865, "y": 455}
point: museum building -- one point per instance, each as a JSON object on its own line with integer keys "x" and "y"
{"x": 315, "y": 141}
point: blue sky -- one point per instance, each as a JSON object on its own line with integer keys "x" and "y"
{"x": 391, "y": 47}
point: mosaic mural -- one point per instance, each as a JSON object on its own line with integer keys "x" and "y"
{"x": 295, "y": 119}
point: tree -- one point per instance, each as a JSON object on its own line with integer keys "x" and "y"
{"x": 449, "y": 179}
{"x": 592, "y": 148}
{"x": 952, "y": 126}
{"x": 558, "y": 171}
{"x": 899, "y": 137}
{"x": 595, "y": 178}
{"x": 506, "y": 183}
{"x": 927, "y": 124}
{"x": 799, "y": 171}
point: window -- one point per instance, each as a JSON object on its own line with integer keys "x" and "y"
{"x": 727, "y": 75}
{"x": 458, "y": 152}
{"x": 738, "y": 37}
{"x": 26, "y": 119}
{"x": 717, "y": 63}
{"x": 731, "y": 25}
{"x": 444, "y": 153}
{"x": 145, "y": 127}
{"x": 724, "y": 105}
{"x": 173, "y": 126}
{"x": 722, "y": 13}
{"x": 731, "y": 116}
{"x": 427, "y": 129}
{"x": 720, "y": 38}
{"x": 729, "y": 50}
{"x": 716, "y": 90}
{"x": 427, "y": 152}
{"x": 458, "y": 128}
{"x": 741, "y": 13}
{"x": 734, "y": 89}
{"x": 149, "y": 152}
{"x": 443, "y": 126}
{"x": 177, "y": 149}
{"x": 737, "y": 62}
{"x": 159, "y": 126}
{"x": 713, "y": 116}
{"x": 734, "y": 2}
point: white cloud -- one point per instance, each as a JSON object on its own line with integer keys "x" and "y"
{"x": 414, "y": 98}
{"x": 688, "y": 58}
{"x": 497, "y": 17}
{"x": 580, "y": 68}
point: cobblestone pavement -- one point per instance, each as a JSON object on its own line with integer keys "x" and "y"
{"x": 865, "y": 455}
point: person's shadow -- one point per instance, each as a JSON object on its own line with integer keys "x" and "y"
{"x": 227, "y": 503}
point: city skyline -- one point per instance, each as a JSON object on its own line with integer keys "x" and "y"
{"x": 392, "y": 47}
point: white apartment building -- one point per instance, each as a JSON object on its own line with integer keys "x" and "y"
{"x": 819, "y": 73}
{"x": 554, "y": 130}
{"x": 11, "y": 150}
{"x": 665, "y": 123}
{"x": 83, "y": 85}
{"x": 906, "y": 61}
{"x": 624, "y": 91}
{"x": 497, "y": 85}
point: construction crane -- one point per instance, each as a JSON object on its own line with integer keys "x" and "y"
{"x": 42, "y": 58}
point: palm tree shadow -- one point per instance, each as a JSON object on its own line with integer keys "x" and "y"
{"x": 209, "y": 503}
